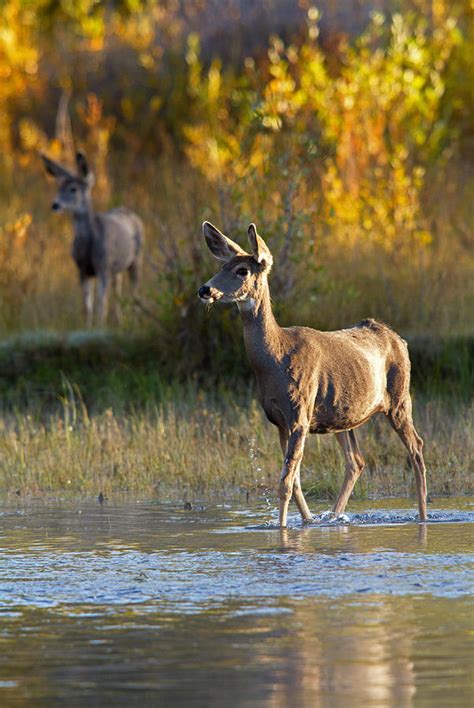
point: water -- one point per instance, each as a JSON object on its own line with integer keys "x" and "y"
{"x": 139, "y": 603}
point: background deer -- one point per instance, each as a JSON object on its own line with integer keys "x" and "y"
{"x": 105, "y": 244}
{"x": 311, "y": 381}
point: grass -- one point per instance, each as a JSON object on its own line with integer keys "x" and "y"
{"x": 192, "y": 445}
{"x": 93, "y": 413}
{"x": 131, "y": 372}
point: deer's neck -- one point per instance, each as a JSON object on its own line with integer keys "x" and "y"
{"x": 262, "y": 333}
{"x": 84, "y": 224}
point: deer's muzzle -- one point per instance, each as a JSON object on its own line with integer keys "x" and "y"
{"x": 208, "y": 295}
{"x": 205, "y": 294}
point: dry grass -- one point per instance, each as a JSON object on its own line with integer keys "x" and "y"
{"x": 91, "y": 412}
{"x": 192, "y": 445}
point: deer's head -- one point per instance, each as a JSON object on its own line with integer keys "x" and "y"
{"x": 243, "y": 276}
{"x": 74, "y": 190}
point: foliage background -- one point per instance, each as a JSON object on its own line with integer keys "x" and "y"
{"x": 344, "y": 131}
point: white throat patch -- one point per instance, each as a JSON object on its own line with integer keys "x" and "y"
{"x": 246, "y": 305}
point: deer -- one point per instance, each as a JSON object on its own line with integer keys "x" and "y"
{"x": 105, "y": 244}
{"x": 311, "y": 381}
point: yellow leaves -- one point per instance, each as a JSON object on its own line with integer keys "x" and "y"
{"x": 348, "y": 102}
{"x": 147, "y": 60}
{"x": 378, "y": 18}
{"x": 18, "y": 59}
{"x": 195, "y": 68}
{"x": 31, "y": 137}
{"x": 371, "y": 107}
{"x": 128, "y": 109}
{"x": 276, "y": 49}
{"x": 272, "y": 123}
{"x": 138, "y": 30}
{"x": 313, "y": 28}
{"x": 15, "y": 231}
{"x": 156, "y": 103}
{"x": 386, "y": 207}
{"x": 292, "y": 54}
{"x": 214, "y": 83}
{"x": 17, "y": 52}
{"x": 371, "y": 119}
{"x": 205, "y": 153}
{"x": 261, "y": 151}
{"x": 249, "y": 63}
{"x": 423, "y": 237}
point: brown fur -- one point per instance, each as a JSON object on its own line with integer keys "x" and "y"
{"x": 311, "y": 381}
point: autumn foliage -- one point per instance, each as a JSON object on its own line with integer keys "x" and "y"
{"x": 350, "y": 152}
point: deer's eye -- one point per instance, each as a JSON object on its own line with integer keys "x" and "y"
{"x": 73, "y": 190}
{"x": 243, "y": 272}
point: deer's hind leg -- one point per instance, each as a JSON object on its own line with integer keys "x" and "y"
{"x": 354, "y": 466}
{"x": 298, "y": 495}
{"x": 134, "y": 272}
{"x": 103, "y": 305}
{"x": 401, "y": 420}
{"x": 117, "y": 282}
{"x": 87, "y": 285}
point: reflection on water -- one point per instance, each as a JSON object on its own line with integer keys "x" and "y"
{"x": 119, "y": 604}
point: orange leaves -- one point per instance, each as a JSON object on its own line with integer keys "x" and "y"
{"x": 18, "y": 59}
{"x": 377, "y": 121}
{"x": 357, "y": 119}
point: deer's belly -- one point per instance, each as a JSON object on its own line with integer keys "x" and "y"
{"x": 350, "y": 399}
{"x": 338, "y": 421}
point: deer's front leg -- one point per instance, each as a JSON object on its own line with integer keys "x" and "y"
{"x": 297, "y": 491}
{"x": 87, "y": 285}
{"x": 104, "y": 282}
{"x": 290, "y": 472}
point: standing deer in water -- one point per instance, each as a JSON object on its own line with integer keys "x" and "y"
{"x": 105, "y": 244}
{"x": 311, "y": 381}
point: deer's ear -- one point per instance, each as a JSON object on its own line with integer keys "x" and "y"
{"x": 219, "y": 245}
{"x": 83, "y": 168}
{"x": 260, "y": 250}
{"x": 54, "y": 169}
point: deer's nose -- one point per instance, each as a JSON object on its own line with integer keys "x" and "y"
{"x": 55, "y": 206}
{"x": 204, "y": 292}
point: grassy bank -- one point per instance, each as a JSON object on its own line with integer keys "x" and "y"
{"x": 131, "y": 372}
{"x": 95, "y": 413}
{"x": 193, "y": 444}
